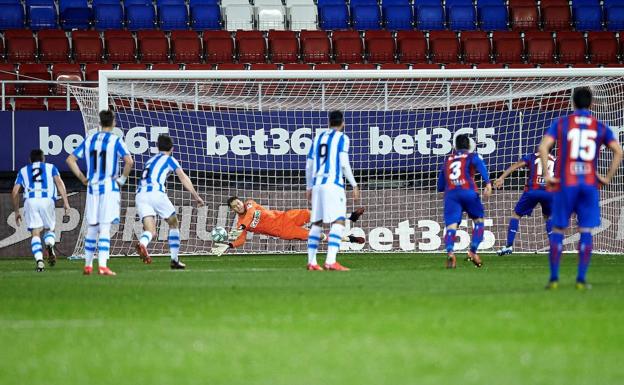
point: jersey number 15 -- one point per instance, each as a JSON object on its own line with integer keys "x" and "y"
{"x": 582, "y": 144}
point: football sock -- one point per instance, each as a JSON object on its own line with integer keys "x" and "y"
{"x": 92, "y": 232}
{"x": 585, "y": 251}
{"x": 104, "y": 244}
{"x": 37, "y": 250}
{"x": 146, "y": 238}
{"x": 49, "y": 238}
{"x": 313, "y": 241}
{"x": 554, "y": 256}
{"x": 333, "y": 245}
{"x": 174, "y": 243}
{"x": 449, "y": 240}
{"x": 477, "y": 236}
{"x": 548, "y": 226}
{"x": 514, "y": 223}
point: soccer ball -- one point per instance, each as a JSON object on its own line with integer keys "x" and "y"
{"x": 219, "y": 234}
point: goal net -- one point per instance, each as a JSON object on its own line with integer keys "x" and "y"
{"x": 247, "y": 134}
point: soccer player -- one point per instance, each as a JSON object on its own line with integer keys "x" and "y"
{"x": 152, "y": 200}
{"x": 326, "y": 167}
{"x": 101, "y": 151}
{"x": 456, "y": 180}
{"x": 534, "y": 193}
{"x": 579, "y": 137}
{"x": 39, "y": 181}
{"x": 280, "y": 224}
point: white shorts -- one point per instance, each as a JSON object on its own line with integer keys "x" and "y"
{"x": 152, "y": 203}
{"x": 103, "y": 208}
{"x": 329, "y": 203}
{"x": 39, "y": 212}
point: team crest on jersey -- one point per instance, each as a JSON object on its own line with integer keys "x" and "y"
{"x": 249, "y": 206}
{"x": 256, "y": 219}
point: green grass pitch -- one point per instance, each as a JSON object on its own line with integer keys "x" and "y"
{"x": 393, "y": 319}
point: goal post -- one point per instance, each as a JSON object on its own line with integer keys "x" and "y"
{"x": 247, "y": 134}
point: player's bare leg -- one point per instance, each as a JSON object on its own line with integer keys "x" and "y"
{"x": 37, "y": 250}
{"x": 174, "y": 243}
{"x": 449, "y": 242}
{"x": 149, "y": 230}
{"x": 335, "y": 236}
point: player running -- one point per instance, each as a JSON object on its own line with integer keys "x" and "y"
{"x": 151, "y": 200}
{"x": 326, "y": 168}
{"x": 101, "y": 151}
{"x": 579, "y": 137}
{"x": 39, "y": 181}
{"x": 534, "y": 193}
{"x": 456, "y": 180}
{"x": 286, "y": 225}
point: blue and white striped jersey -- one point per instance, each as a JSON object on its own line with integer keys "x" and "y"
{"x": 102, "y": 152}
{"x": 325, "y": 155}
{"x": 37, "y": 179}
{"x": 156, "y": 171}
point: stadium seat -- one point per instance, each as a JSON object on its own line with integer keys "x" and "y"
{"x": 91, "y": 71}
{"x": 171, "y": 17}
{"x": 165, "y": 67}
{"x": 218, "y": 49}
{"x": 348, "y": 50}
{"x": 554, "y": 3}
{"x": 296, "y": 66}
{"x": 612, "y": 3}
{"x": 198, "y": 67}
{"x": 2, "y": 51}
{"x": 64, "y": 72}
{"x": 394, "y": 66}
{"x": 74, "y": 14}
{"x": 334, "y": 17}
{"x": 7, "y": 72}
{"x": 315, "y": 50}
{"x": 603, "y": 50}
{"x": 283, "y": 49}
{"x": 87, "y": 47}
{"x": 34, "y": 104}
{"x": 540, "y": 50}
{"x": 475, "y": 47}
{"x": 231, "y": 67}
{"x": 418, "y": 3}
{"x": 323, "y": 3}
{"x": 556, "y": 18}
{"x": 524, "y": 18}
{"x": 53, "y": 49}
{"x": 444, "y": 50}
{"x": 270, "y": 17}
{"x": 131, "y": 66}
{"x": 153, "y": 46}
{"x": 362, "y": 66}
{"x": 614, "y": 18}
{"x": 380, "y": 50}
{"x": 120, "y": 46}
{"x": 345, "y": 34}
{"x": 160, "y": 3}
{"x": 205, "y": 16}
{"x": 587, "y": 17}
{"x": 108, "y": 17}
{"x": 303, "y": 17}
{"x": 385, "y": 4}
{"x": 411, "y": 47}
{"x": 430, "y": 17}
{"x": 49, "y": 3}
{"x": 366, "y": 16}
{"x": 327, "y": 66}
{"x": 11, "y": 16}
{"x": 263, "y": 66}
{"x": 140, "y": 17}
{"x": 461, "y": 17}
{"x": 97, "y": 3}
{"x": 20, "y": 46}
{"x": 193, "y": 3}
{"x": 507, "y": 47}
{"x": 398, "y": 17}
{"x": 238, "y": 17}
{"x": 60, "y": 104}
{"x": 493, "y": 18}
{"x": 42, "y": 17}
{"x": 186, "y": 50}
{"x": 251, "y": 49}
{"x": 129, "y": 3}
{"x": 65, "y": 69}
{"x": 571, "y": 48}
{"x": 32, "y": 71}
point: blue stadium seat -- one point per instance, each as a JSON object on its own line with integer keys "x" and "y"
{"x": 140, "y": 17}
{"x": 355, "y": 3}
{"x": 418, "y": 3}
{"x": 49, "y": 3}
{"x": 398, "y": 17}
{"x": 205, "y": 16}
{"x": 366, "y": 17}
{"x": 493, "y": 18}
{"x": 391, "y": 3}
{"x": 452, "y": 3}
{"x": 614, "y": 17}
{"x": 587, "y": 17}
{"x": 613, "y": 3}
{"x": 461, "y": 17}
{"x": 12, "y": 2}
{"x": 128, "y": 3}
{"x": 64, "y": 4}
{"x": 429, "y": 17}
{"x": 97, "y": 3}
{"x": 11, "y": 16}
{"x": 173, "y": 17}
{"x": 334, "y": 17}
{"x": 483, "y": 3}
{"x": 160, "y": 3}
{"x": 322, "y": 3}
{"x": 193, "y": 3}
{"x": 76, "y": 18}
{"x": 42, "y": 17}
{"x": 108, "y": 17}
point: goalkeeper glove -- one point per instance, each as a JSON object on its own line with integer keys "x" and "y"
{"x": 234, "y": 234}
{"x": 219, "y": 248}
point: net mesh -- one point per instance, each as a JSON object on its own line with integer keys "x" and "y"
{"x": 249, "y": 138}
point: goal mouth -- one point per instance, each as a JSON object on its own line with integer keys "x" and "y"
{"x": 247, "y": 134}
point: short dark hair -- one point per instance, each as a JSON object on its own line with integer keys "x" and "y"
{"x": 335, "y": 118}
{"x": 462, "y": 142}
{"x": 165, "y": 143}
{"x": 230, "y": 200}
{"x": 36, "y": 155}
{"x": 107, "y": 118}
{"x": 582, "y": 97}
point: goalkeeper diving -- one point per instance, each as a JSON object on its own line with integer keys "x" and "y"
{"x": 287, "y": 225}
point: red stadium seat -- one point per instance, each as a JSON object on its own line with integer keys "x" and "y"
{"x": 132, "y": 66}
{"x": 21, "y": 46}
{"x": 312, "y": 34}
{"x": 51, "y": 34}
{"x": 476, "y": 50}
{"x": 279, "y": 34}
{"x": 186, "y": 50}
{"x": 315, "y": 50}
{"x": 554, "y": 3}
{"x": 540, "y": 51}
{"x": 219, "y": 50}
{"x": 394, "y": 66}
{"x": 600, "y": 35}
{"x": 377, "y": 34}
{"x": 165, "y": 67}
{"x": 30, "y": 72}
{"x": 434, "y": 35}
{"x": 348, "y": 50}
{"x": 120, "y": 46}
{"x": 603, "y": 51}
{"x": 345, "y": 34}
{"x": 7, "y": 72}
{"x": 571, "y": 47}
{"x": 524, "y": 18}
{"x": 198, "y": 67}
{"x": 30, "y": 104}
{"x": 284, "y": 50}
{"x": 251, "y": 49}
{"x": 444, "y": 50}
{"x": 153, "y": 50}
{"x": 60, "y": 104}
{"x": 490, "y": 65}
{"x": 362, "y": 66}
{"x": 91, "y": 71}
{"x": 411, "y": 47}
{"x": 2, "y": 50}
{"x": 507, "y": 47}
{"x": 231, "y": 66}
{"x": 64, "y": 72}
{"x": 457, "y": 66}
{"x": 522, "y": 3}
{"x": 530, "y": 35}
{"x": 87, "y": 49}
{"x": 219, "y": 34}
{"x": 251, "y": 34}
{"x": 263, "y": 66}
{"x": 425, "y": 66}
{"x": 183, "y": 34}
{"x": 150, "y": 34}
{"x": 296, "y": 67}
{"x": 556, "y": 17}
{"x": 380, "y": 50}
{"x": 327, "y": 66}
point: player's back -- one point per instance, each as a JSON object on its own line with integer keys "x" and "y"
{"x": 325, "y": 154}
{"x": 580, "y": 136}
{"x": 37, "y": 179}
{"x": 458, "y": 171}
{"x": 535, "y": 177}
{"x": 156, "y": 171}
{"x": 102, "y": 151}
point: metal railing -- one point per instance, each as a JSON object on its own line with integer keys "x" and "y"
{"x": 47, "y": 90}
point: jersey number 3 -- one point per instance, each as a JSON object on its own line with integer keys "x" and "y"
{"x": 455, "y": 170}
{"x": 582, "y": 144}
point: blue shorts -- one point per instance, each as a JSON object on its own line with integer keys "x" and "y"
{"x": 529, "y": 199}
{"x": 582, "y": 200}
{"x": 456, "y": 202}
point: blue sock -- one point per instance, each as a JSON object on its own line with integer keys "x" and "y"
{"x": 556, "y": 247}
{"x": 585, "y": 252}
{"x": 477, "y": 236}
{"x": 514, "y": 223}
{"x": 548, "y": 227}
{"x": 449, "y": 240}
